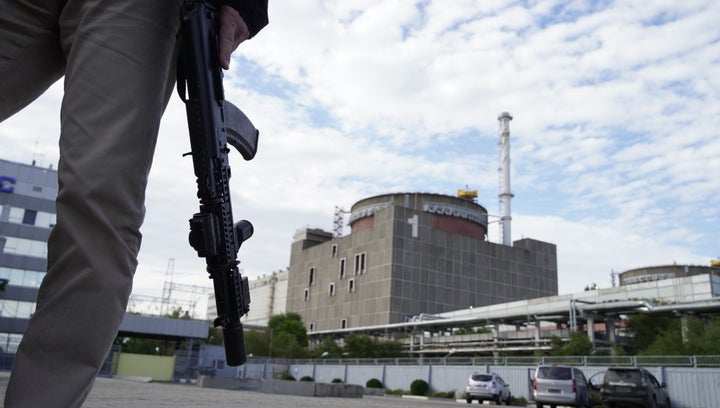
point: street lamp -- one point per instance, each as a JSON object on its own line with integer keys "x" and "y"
{"x": 452, "y": 351}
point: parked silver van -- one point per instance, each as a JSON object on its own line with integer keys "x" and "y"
{"x": 555, "y": 385}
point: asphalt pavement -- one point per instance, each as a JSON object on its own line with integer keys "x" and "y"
{"x": 130, "y": 393}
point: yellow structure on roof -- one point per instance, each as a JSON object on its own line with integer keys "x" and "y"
{"x": 467, "y": 193}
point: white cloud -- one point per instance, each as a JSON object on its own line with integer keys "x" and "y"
{"x": 615, "y": 141}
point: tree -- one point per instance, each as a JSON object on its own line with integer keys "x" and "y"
{"x": 578, "y": 345}
{"x": 359, "y": 346}
{"x": 647, "y": 329}
{"x": 257, "y": 342}
{"x": 702, "y": 336}
{"x": 328, "y": 348}
{"x": 286, "y": 345}
{"x": 709, "y": 342}
{"x": 363, "y": 346}
{"x": 144, "y": 346}
{"x": 288, "y": 336}
{"x": 592, "y": 286}
{"x": 215, "y": 336}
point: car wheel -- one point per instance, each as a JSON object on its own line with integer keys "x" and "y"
{"x": 469, "y": 400}
{"x": 497, "y": 399}
{"x": 508, "y": 401}
{"x": 538, "y": 405}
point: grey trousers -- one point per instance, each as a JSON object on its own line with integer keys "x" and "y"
{"x": 117, "y": 58}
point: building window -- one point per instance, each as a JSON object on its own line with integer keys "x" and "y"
{"x": 307, "y": 295}
{"x": 312, "y": 276}
{"x": 16, "y": 215}
{"x": 331, "y": 289}
{"x": 29, "y": 217}
{"x": 21, "y": 277}
{"x": 351, "y": 285}
{"x": 17, "y": 309}
{"x": 343, "y": 324}
{"x": 342, "y": 268}
{"x": 312, "y": 326}
{"x": 27, "y": 247}
{"x": 334, "y": 250}
{"x": 360, "y": 263}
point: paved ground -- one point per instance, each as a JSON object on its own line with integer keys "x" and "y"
{"x": 116, "y": 393}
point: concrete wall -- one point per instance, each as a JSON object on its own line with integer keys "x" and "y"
{"x": 687, "y": 387}
{"x": 693, "y": 387}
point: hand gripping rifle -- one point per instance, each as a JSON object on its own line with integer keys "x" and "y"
{"x": 214, "y": 122}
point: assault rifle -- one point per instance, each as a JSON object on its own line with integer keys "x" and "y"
{"x": 213, "y": 123}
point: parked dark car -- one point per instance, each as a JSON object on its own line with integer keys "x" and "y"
{"x": 633, "y": 387}
{"x": 557, "y": 385}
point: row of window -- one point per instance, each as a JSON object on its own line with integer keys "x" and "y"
{"x": 359, "y": 267}
{"x": 343, "y": 325}
{"x": 331, "y": 289}
{"x": 22, "y": 277}
{"x": 28, "y": 247}
{"x": 9, "y": 342}
{"x": 16, "y": 309}
{"x": 30, "y": 217}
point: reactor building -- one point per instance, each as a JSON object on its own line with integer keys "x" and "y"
{"x": 661, "y": 272}
{"x": 411, "y": 255}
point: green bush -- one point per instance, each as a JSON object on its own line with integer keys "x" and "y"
{"x": 419, "y": 387}
{"x": 374, "y": 383}
{"x": 336, "y": 381}
{"x": 307, "y": 379}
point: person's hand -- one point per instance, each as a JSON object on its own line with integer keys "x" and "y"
{"x": 233, "y": 31}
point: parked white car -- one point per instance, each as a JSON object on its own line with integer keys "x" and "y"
{"x": 555, "y": 385}
{"x": 487, "y": 387}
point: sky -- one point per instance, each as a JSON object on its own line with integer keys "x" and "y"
{"x": 615, "y": 154}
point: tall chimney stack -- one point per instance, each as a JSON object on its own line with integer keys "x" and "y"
{"x": 504, "y": 170}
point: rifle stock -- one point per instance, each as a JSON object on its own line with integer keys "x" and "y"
{"x": 213, "y": 123}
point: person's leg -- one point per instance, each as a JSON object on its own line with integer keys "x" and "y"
{"x": 30, "y": 55}
{"x": 119, "y": 76}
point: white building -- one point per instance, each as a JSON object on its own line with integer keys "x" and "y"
{"x": 268, "y": 295}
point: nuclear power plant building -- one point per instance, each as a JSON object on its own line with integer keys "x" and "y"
{"x": 411, "y": 254}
